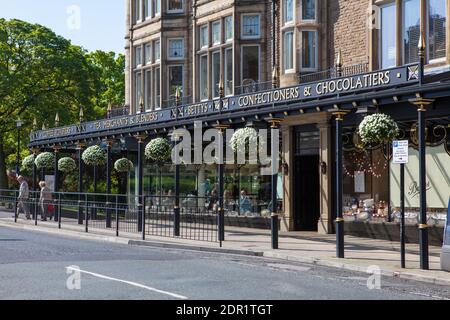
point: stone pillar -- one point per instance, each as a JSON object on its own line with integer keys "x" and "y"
{"x": 326, "y": 175}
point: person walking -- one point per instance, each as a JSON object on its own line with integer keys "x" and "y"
{"x": 44, "y": 200}
{"x": 24, "y": 194}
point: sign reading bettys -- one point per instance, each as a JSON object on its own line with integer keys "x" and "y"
{"x": 319, "y": 89}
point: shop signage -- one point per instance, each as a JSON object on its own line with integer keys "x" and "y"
{"x": 303, "y": 92}
{"x": 400, "y": 151}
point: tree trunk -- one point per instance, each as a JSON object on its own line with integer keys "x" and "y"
{"x": 3, "y": 176}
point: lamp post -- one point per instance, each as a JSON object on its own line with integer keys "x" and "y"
{"x": 19, "y": 124}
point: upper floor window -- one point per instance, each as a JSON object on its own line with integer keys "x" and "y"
{"x": 138, "y": 56}
{"x": 288, "y": 51}
{"x": 288, "y": 11}
{"x": 251, "y": 26}
{"x": 228, "y": 28}
{"x": 216, "y": 32}
{"x": 147, "y": 9}
{"x": 388, "y": 48}
{"x": 137, "y": 10}
{"x": 176, "y": 49}
{"x": 437, "y": 29}
{"x": 411, "y": 30}
{"x": 175, "y": 6}
{"x": 309, "y": 9}
{"x": 157, "y": 47}
{"x": 148, "y": 53}
{"x": 156, "y": 7}
{"x": 309, "y": 50}
{"x": 204, "y": 36}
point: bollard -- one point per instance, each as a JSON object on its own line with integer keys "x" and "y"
{"x": 274, "y": 228}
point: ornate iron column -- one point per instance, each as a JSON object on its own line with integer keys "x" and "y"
{"x": 80, "y": 147}
{"x": 140, "y": 167}
{"x": 339, "y": 118}
{"x": 108, "y": 181}
{"x": 274, "y": 122}
{"x": 220, "y": 181}
{"x": 176, "y": 208}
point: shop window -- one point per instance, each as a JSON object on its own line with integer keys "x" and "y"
{"x": 176, "y": 49}
{"x": 309, "y": 50}
{"x": 288, "y": 51}
{"x": 288, "y": 11}
{"x": 388, "y": 39}
{"x": 175, "y": 80}
{"x": 175, "y": 6}
{"x": 216, "y": 32}
{"x": 251, "y": 26}
{"x": 309, "y": 9}
{"x": 204, "y": 77}
{"x": 250, "y": 64}
{"x": 204, "y": 36}
{"x": 437, "y": 30}
{"x": 228, "y": 71}
{"x": 215, "y": 73}
{"x": 229, "y": 28}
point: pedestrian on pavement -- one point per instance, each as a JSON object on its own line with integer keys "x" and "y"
{"x": 44, "y": 200}
{"x": 24, "y": 194}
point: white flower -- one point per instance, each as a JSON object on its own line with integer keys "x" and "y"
{"x": 123, "y": 165}
{"x": 94, "y": 156}
{"x": 158, "y": 150}
{"x": 45, "y": 160}
{"x": 378, "y": 128}
{"x": 66, "y": 165}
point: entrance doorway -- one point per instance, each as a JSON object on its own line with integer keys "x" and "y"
{"x": 306, "y": 178}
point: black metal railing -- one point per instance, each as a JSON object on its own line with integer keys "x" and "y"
{"x": 116, "y": 213}
{"x": 252, "y": 86}
{"x": 333, "y": 72}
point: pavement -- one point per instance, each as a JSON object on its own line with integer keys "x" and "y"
{"x": 361, "y": 254}
{"x": 36, "y": 265}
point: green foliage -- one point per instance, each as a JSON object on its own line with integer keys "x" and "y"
{"x": 158, "y": 150}
{"x": 378, "y": 128}
{"x": 123, "y": 165}
{"x": 66, "y": 165}
{"x": 94, "y": 156}
{"x": 45, "y": 160}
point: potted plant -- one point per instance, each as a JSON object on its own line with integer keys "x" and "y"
{"x": 378, "y": 128}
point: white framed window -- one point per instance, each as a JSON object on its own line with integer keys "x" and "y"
{"x": 137, "y": 11}
{"x": 437, "y": 30}
{"x": 148, "y": 89}
{"x": 215, "y": 73}
{"x": 204, "y": 77}
{"x": 156, "y": 7}
{"x": 250, "y": 61}
{"x": 216, "y": 36}
{"x": 288, "y": 11}
{"x": 175, "y": 6}
{"x": 251, "y": 26}
{"x": 147, "y": 9}
{"x": 157, "y": 47}
{"x": 411, "y": 30}
{"x": 137, "y": 56}
{"x": 288, "y": 51}
{"x": 204, "y": 39}
{"x": 175, "y": 80}
{"x": 148, "y": 53}
{"x": 309, "y": 50}
{"x": 228, "y": 67}
{"x": 388, "y": 39}
{"x": 157, "y": 84}
{"x": 229, "y": 30}
{"x": 309, "y": 8}
{"x": 137, "y": 90}
{"x": 175, "y": 49}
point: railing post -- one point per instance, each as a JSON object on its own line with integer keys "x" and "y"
{"x": 220, "y": 174}
{"x": 140, "y": 167}
{"x": 35, "y": 209}
{"x": 59, "y": 211}
{"x": 108, "y": 181}
{"x": 176, "y": 208}
{"x": 56, "y": 149}
{"x": 80, "y": 147}
{"x": 86, "y": 214}
{"x": 143, "y": 218}
{"x": 15, "y": 206}
{"x": 117, "y": 216}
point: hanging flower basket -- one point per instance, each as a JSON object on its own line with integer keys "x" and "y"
{"x": 244, "y": 136}
{"x": 158, "y": 150}
{"x": 123, "y": 165}
{"x": 94, "y": 156}
{"x": 27, "y": 162}
{"x": 45, "y": 160}
{"x": 378, "y": 128}
{"x": 66, "y": 165}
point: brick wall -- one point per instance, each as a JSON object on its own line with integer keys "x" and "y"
{"x": 348, "y": 31}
